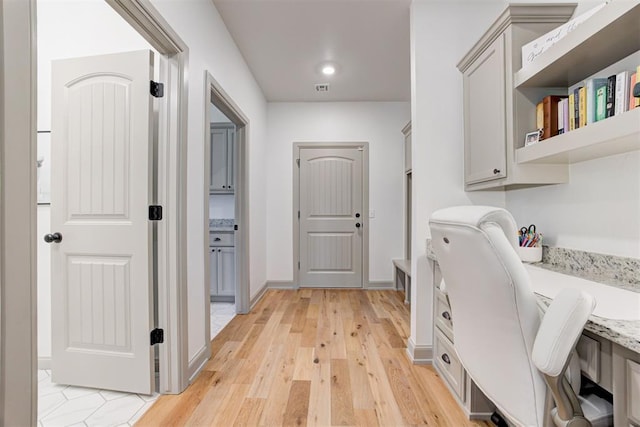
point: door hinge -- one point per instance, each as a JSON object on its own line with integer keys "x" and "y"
{"x": 155, "y": 213}
{"x": 157, "y": 89}
{"x": 298, "y": 214}
{"x": 298, "y": 265}
{"x": 157, "y": 336}
{"x": 298, "y": 162}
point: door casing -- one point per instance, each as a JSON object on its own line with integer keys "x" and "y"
{"x": 214, "y": 93}
{"x": 297, "y": 146}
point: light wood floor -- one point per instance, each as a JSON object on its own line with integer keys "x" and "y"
{"x": 314, "y": 357}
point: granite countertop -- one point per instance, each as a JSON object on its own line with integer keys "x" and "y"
{"x": 606, "y": 269}
{"x": 221, "y": 224}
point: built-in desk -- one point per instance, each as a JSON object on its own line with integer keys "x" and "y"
{"x": 609, "y": 349}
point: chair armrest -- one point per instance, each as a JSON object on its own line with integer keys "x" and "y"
{"x": 555, "y": 342}
{"x": 560, "y": 330}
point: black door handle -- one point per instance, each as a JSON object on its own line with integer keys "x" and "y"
{"x": 357, "y": 225}
{"x": 53, "y": 238}
{"x": 446, "y": 359}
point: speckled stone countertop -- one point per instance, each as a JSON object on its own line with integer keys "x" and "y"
{"x": 606, "y": 269}
{"x": 221, "y": 224}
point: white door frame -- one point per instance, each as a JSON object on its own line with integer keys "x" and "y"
{"x": 18, "y": 203}
{"x": 223, "y": 102}
{"x": 365, "y": 204}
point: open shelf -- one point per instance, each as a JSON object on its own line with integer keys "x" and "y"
{"x": 615, "y": 135}
{"x": 610, "y": 34}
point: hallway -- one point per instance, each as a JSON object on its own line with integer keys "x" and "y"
{"x": 314, "y": 357}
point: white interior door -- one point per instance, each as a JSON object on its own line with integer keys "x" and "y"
{"x": 102, "y": 300}
{"x": 331, "y": 220}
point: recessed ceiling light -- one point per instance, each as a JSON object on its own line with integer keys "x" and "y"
{"x": 328, "y": 70}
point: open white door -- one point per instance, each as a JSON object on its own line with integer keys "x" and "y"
{"x": 102, "y": 299}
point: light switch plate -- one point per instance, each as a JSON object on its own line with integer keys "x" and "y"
{"x": 372, "y": 214}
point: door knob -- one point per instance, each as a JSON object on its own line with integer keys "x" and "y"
{"x": 357, "y": 225}
{"x": 53, "y": 238}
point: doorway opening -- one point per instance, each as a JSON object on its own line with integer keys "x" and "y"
{"x": 60, "y": 35}
{"x": 226, "y": 225}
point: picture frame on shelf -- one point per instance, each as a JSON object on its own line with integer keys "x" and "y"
{"x": 532, "y": 138}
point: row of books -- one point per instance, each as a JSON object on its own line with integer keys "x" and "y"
{"x": 597, "y": 99}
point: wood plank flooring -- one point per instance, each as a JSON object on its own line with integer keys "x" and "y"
{"x": 317, "y": 358}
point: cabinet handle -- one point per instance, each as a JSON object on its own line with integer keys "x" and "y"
{"x": 446, "y": 359}
{"x": 446, "y": 315}
{"x": 217, "y": 239}
{"x": 496, "y": 171}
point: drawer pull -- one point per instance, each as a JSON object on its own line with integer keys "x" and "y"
{"x": 217, "y": 239}
{"x": 446, "y": 315}
{"x": 445, "y": 358}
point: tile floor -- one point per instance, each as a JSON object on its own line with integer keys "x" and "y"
{"x": 60, "y": 405}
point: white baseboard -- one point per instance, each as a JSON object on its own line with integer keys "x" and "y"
{"x": 196, "y": 364}
{"x": 381, "y": 285}
{"x": 44, "y": 363}
{"x": 258, "y": 296}
{"x": 280, "y": 284}
{"x": 419, "y": 354}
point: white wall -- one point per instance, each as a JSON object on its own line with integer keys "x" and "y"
{"x": 597, "y": 211}
{"x": 68, "y": 29}
{"x": 378, "y": 123}
{"x": 441, "y": 33}
{"x": 211, "y": 48}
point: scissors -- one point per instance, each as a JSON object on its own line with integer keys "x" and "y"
{"x": 530, "y": 230}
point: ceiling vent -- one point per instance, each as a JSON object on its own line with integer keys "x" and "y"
{"x": 322, "y": 87}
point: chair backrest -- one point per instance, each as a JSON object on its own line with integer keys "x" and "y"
{"x": 494, "y": 311}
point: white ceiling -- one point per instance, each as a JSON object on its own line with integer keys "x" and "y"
{"x": 286, "y": 41}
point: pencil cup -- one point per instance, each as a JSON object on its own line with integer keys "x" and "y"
{"x": 533, "y": 254}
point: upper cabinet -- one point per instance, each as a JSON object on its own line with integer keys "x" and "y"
{"x": 222, "y": 158}
{"x": 500, "y": 97}
{"x": 492, "y": 107}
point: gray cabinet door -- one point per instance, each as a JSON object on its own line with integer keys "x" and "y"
{"x": 485, "y": 116}
{"x": 226, "y": 271}
{"x": 213, "y": 278}
{"x": 231, "y": 140}
{"x": 219, "y": 144}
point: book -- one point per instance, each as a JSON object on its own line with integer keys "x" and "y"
{"x": 576, "y": 107}
{"x": 636, "y": 101}
{"x": 539, "y": 116}
{"x": 611, "y": 96}
{"x": 550, "y": 118}
{"x": 622, "y": 92}
{"x": 601, "y": 103}
{"x": 572, "y": 111}
{"x": 592, "y": 85}
{"x": 632, "y": 83}
{"x": 565, "y": 115}
{"x": 560, "y": 108}
{"x": 582, "y": 104}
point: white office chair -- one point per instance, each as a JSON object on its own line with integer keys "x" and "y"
{"x": 506, "y": 348}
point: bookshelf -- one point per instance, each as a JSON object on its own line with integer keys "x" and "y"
{"x": 610, "y": 36}
{"x": 615, "y": 135}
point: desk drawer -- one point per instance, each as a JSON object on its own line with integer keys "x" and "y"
{"x": 449, "y": 365}
{"x": 221, "y": 238}
{"x": 443, "y": 315}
